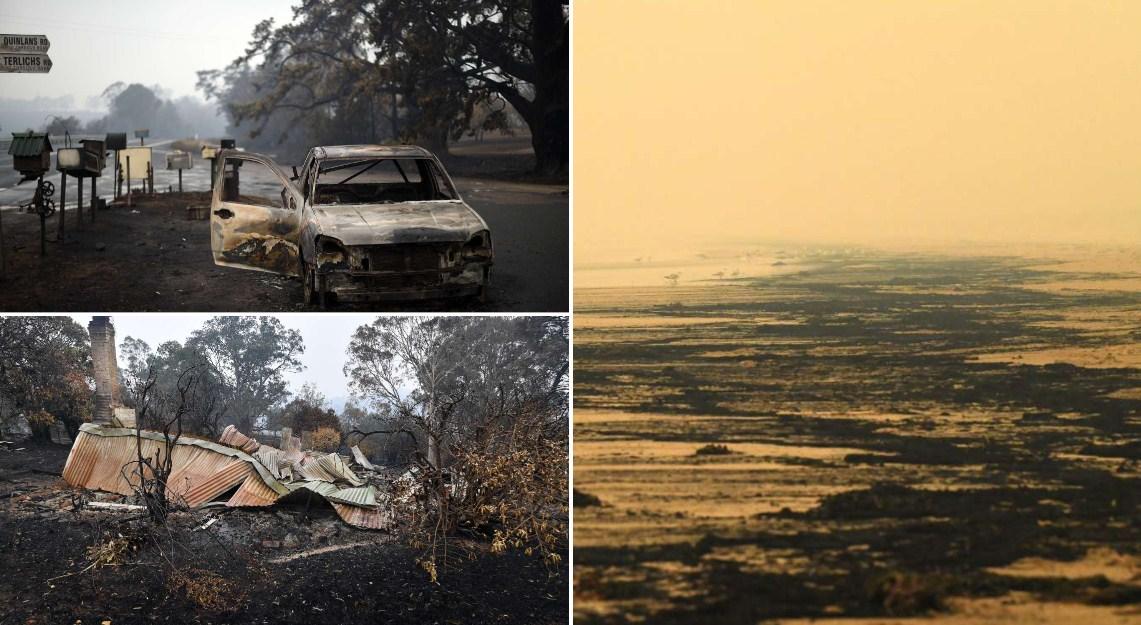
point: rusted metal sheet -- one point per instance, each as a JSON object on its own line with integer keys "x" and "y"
{"x": 327, "y": 468}
{"x": 98, "y": 458}
{"x": 276, "y": 461}
{"x": 336, "y": 466}
{"x": 364, "y": 496}
{"x": 359, "y": 456}
{"x": 376, "y": 519}
{"x": 317, "y": 486}
{"x": 105, "y": 458}
{"x": 204, "y": 488}
{"x": 232, "y": 437}
{"x": 253, "y": 492}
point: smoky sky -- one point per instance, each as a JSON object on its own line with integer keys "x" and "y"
{"x": 94, "y": 44}
{"x": 326, "y": 338}
{"x": 855, "y": 122}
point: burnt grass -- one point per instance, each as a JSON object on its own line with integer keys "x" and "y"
{"x": 891, "y": 350}
{"x": 377, "y": 581}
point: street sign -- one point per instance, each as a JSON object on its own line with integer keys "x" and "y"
{"x": 28, "y": 44}
{"x": 24, "y": 63}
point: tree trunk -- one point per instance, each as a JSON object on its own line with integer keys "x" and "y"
{"x": 549, "y": 117}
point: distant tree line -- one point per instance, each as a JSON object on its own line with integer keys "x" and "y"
{"x": 405, "y": 70}
{"x": 133, "y": 106}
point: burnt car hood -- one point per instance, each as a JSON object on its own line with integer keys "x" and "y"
{"x": 404, "y": 222}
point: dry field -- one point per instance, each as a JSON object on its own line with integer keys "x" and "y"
{"x": 908, "y": 435}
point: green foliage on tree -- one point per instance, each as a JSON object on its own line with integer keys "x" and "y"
{"x": 203, "y": 404}
{"x": 45, "y": 368}
{"x": 409, "y": 69}
{"x": 250, "y": 355}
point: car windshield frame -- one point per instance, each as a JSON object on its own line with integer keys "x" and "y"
{"x": 325, "y": 175}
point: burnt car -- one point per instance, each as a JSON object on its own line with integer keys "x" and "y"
{"x": 357, "y": 222}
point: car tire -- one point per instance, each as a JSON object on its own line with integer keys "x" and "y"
{"x": 307, "y": 290}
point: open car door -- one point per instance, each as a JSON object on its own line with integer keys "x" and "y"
{"x": 255, "y": 215}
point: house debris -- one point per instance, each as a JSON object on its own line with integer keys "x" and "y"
{"x": 238, "y": 471}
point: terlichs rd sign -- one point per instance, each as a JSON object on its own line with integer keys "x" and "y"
{"x": 24, "y": 54}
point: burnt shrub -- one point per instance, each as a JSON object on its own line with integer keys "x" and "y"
{"x": 713, "y": 449}
{"x": 585, "y": 500}
{"x": 902, "y": 593}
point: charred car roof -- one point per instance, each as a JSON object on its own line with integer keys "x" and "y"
{"x": 357, "y": 151}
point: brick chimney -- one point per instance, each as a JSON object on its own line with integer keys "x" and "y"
{"x": 106, "y": 369}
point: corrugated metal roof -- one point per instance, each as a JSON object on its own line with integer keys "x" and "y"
{"x": 359, "y": 456}
{"x": 253, "y": 492}
{"x": 232, "y": 437}
{"x": 276, "y": 461}
{"x": 364, "y": 496}
{"x": 375, "y": 518}
{"x": 336, "y": 466}
{"x": 29, "y": 144}
{"x": 105, "y": 458}
{"x": 321, "y": 488}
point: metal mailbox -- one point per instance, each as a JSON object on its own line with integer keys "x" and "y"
{"x": 142, "y": 133}
{"x": 77, "y": 162}
{"x": 96, "y": 147}
{"x": 31, "y": 153}
{"x": 116, "y": 141}
{"x": 177, "y": 159}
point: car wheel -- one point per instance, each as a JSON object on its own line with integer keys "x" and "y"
{"x": 307, "y": 284}
{"x": 319, "y": 291}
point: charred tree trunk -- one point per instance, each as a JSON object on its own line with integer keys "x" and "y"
{"x": 549, "y": 114}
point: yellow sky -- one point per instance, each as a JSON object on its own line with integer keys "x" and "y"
{"x": 855, "y": 121}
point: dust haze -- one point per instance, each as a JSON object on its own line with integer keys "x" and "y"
{"x": 882, "y": 123}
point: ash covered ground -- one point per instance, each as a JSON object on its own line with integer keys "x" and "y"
{"x": 292, "y": 563}
{"x": 904, "y": 435}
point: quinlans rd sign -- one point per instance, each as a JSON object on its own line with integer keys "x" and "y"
{"x": 24, "y": 54}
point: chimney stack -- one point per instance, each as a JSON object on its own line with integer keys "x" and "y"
{"x": 106, "y": 369}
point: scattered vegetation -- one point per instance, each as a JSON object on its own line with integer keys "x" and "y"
{"x": 323, "y": 439}
{"x": 484, "y": 402}
{"x": 713, "y": 449}
{"x": 207, "y": 590}
{"x": 585, "y": 500}
{"x": 110, "y": 552}
{"x": 904, "y": 594}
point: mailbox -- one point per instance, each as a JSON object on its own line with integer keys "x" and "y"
{"x": 31, "y": 153}
{"x": 116, "y": 141}
{"x": 77, "y": 162}
{"x": 142, "y": 133}
{"x": 96, "y": 147}
{"x": 177, "y": 159}
{"x": 68, "y": 158}
{"x": 140, "y": 162}
{"x": 209, "y": 152}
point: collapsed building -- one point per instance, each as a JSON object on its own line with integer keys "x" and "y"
{"x": 235, "y": 471}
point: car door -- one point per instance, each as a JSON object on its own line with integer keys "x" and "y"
{"x": 255, "y": 215}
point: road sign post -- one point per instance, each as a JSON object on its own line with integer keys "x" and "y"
{"x": 24, "y": 54}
